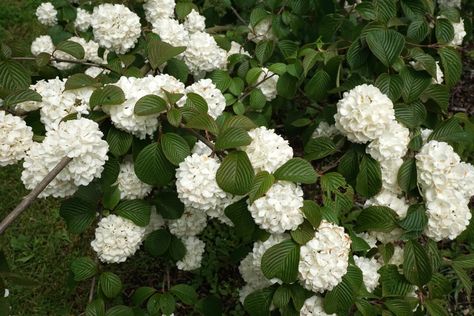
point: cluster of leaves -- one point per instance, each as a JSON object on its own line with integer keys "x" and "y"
{"x": 320, "y": 51}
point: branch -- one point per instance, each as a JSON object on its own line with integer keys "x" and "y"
{"x": 250, "y": 88}
{"x": 27, "y": 200}
{"x": 238, "y": 15}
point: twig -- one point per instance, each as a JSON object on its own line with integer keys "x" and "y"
{"x": 60, "y": 60}
{"x": 249, "y": 89}
{"x": 219, "y": 28}
{"x": 91, "y": 292}
{"x": 238, "y": 15}
{"x": 27, "y": 200}
{"x": 199, "y": 136}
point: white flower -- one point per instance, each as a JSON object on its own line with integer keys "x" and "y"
{"x": 425, "y": 133}
{"x": 369, "y": 269}
{"x": 392, "y": 144}
{"x": 171, "y": 31}
{"x": 262, "y": 31}
{"x": 156, "y": 221}
{"x": 16, "y": 138}
{"x": 369, "y": 239}
{"x": 459, "y": 33}
{"x": 387, "y": 237}
{"x": 260, "y": 247}
{"x": 96, "y": 71}
{"x": 269, "y": 86}
{"x": 449, "y": 3}
{"x": 213, "y": 96}
{"x": 268, "y": 151}
{"x": 122, "y": 115}
{"x": 324, "y": 259}
{"x": 325, "y": 130}
{"x": 116, "y": 239}
{"x": 203, "y": 54}
{"x": 201, "y": 149}
{"x": 6, "y": 293}
{"x": 83, "y": 20}
{"x": 115, "y": 27}
{"x": 390, "y": 173}
{"x": 236, "y": 48}
{"x": 364, "y": 113}
{"x": 193, "y": 257}
{"x": 78, "y": 139}
{"x": 196, "y": 183}
{"x": 439, "y": 74}
{"x": 461, "y": 178}
{"x": 397, "y": 257}
{"x": 280, "y": 208}
{"x": 313, "y": 306}
{"x": 42, "y": 44}
{"x": 129, "y": 185}
{"x": 158, "y": 9}
{"x": 47, "y": 14}
{"x": 191, "y": 223}
{"x": 391, "y": 200}
{"x": 195, "y": 22}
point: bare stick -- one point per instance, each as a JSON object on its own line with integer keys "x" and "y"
{"x": 27, "y": 200}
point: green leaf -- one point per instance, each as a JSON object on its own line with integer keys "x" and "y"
{"x": 149, "y": 104}
{"x": 444, "y": 31}
{"x": 177, "y": 250}
{"x": 399, "y": 307}
{"x": 138, "y": 211}
{"x": 252, "y": 75}
{"x": 451, "y": 63}
{"x": 261, "y": 184}
{"x": 83, "y": 268}
{"x": 119, "y": 310}
{"x": 312, "y": 212}
{"x": 77, "y": 81}
{"x": 412, "y": 115}
{"x": 119, "y": 141}
{"x": 203, "y": 122}
{"x": 377, "y": 218}
{"x": 108, "y": 95}
{"x": 258, "y": 303}
{"x": 287, "y": 86}
{"x": 158, "y": 242}
{"x": 281, "y": 261}
{"x": 160, "y": 52}
{"x": 341, "y": 298}
{"x": 436, "y": 307}
{"x": 152, "y": 167}
{"x": 303, "y": 234}
{"x": 369, "y": 178}
{"x": 22, "y": 96}
{"x": 178, "y": 69}
{"x": 416, "y": 264}
{"x": 169, "y": 205}
{"x": 366, "y": 10}
{"x": 167, "y": 303}
{"x": 439, "y": 94}
{"x": 386, "y": 45}
{"x": 175, "y": 148}
{"x": 418, "y": 30}
{"x": 264, "y": 51}
{"x": 424, "y": 62}
{"x": 385, "y": 9}
{"x": 282, "y": 296}
{"x": 238, "y": 121}
{"x": 407, "y": 175}
{"x": 96, "y": 308}
{"x": 235, "y": 174}
{"x": 391, "y": 85}
{"x": 221, "y": 79}
{"x": 465, "y": 278}
{"x": 110, "y": 284}
{"x": 142, "y": 294}
{"x": 415, "y": 219}
{"x": 13, "y": 76}
{"x": 447, "y": 130}
{"x": 318, "y": 148}
{"x": 72, "y": 48}
{"x": 186, "y": 293}
{"x": 318, "y": 86}
{"x": 77, "y": 214}
{"x": 240, "y": 216}
{"x": 357, "y": 54}
{"x": 174, "y": 117}
{"x": 232, "y": 137}
{"x": 464, "y": 261}
{"x": 288, "y": 48}
{"x": 257, "y": 15}
{"x": 257, "y": 99}
{"x": 414, "y": 83}
{"x": 42, "y": 59}
{"x": 393, "y": 283}
{"x": 296, "y": 170}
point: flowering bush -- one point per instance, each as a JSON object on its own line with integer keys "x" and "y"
{"x": 317, "y": 131}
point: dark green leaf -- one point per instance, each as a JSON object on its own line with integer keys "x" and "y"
{"x": 186, "y": 293}
{"x": 377, "y": 218}
{"x": 369, "y": 179}
{"x": 149, "y": 104}
{"x": 416, "y": 264}
{"x": 83, "y": 268}
{"x": 72, "y": 48}
{"x": 77, "y": 81}
{"x": 318, "y": 148}
{"x": 407, "y": 175}
{"x": 152, "y": 167}
{"x": 240, "y": 216}
{"x": 22, "y": 96}
{"x": 160, "y": 52}
{"x": 386, "y": 45}
{"x": 296, "y": 170}
{"x": 232, "y": 137}
{"x": 169, "y": 205}
{"x": 175, "y": 148}
{"x": 452, "y": 65}
{"x": 235, "y": 174}
{"x": 77, "y": 214}
{"x": 281, "y": 261}
{"x": 138, "y": 211}
{"x": 158, "y": 242}
{"x": 108, "y": 95}
{"x": 391, "y": 85}
{"x": 119, "y": 141}
{"x": 261, "y": 184}
{"x": 110, "y": 284}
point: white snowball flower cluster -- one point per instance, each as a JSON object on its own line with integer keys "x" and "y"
{"x": 83, "y": 20}
{"x": 369, "y": 239}
{"x": 203, "y": 54}
{"x": 262, "y": 31}
{"x": 16, "y": 138}
{"x": 236, "y": 48}
{"x": 116, "y": 239}
{"x": 439, "y": 74}
{"x": 449, "y": 3}
{"x": 196, "y": 183}
{"x": 201, "y": 149}
{"x": 158, "y": 9}
{"x": 364, "y": 113}
{"x": 122, "y": 115}
{"x": 325, "y": 130}
{"x": 280, "y": 208}
{"x": 78, "y": 139}
{"x": 447, "y": 185}
{"x": 397, "y": 257}
{"x": 115, "y": 27}
{"x": 95, "y": 71}
{"x": 459, "y": 33}
{"x": 47, "y": 14}
{"x": 268, "y": 151}
{"x": 324, "y": 259}
{"x": 42, "y": 44}
{"x": 392, "y": 144}
{"x": 369, "y": 267}
{"x": 195, "y": 22}
{"x": 213, "y": 96}
{"x": 268, "y": 83}
{"x": 129, "y": 185}
{"x": 250, "y": 266}
{"x": 191, "y": 223}
{"x": 171, "y": 32}
{"x": 313, "y": 306}
{"x": 156, "y": 221}
{"x": 193, "y": 257}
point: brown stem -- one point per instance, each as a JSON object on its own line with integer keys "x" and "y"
{"x": 249, "y": 89}
{"x": 27, "y": 200}
{"x": 238, "y": 15}
{"x": 219, "y": 28}
{"x": 91, "y": 292}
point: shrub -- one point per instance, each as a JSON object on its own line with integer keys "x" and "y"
{"x": 318, "y": 131}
